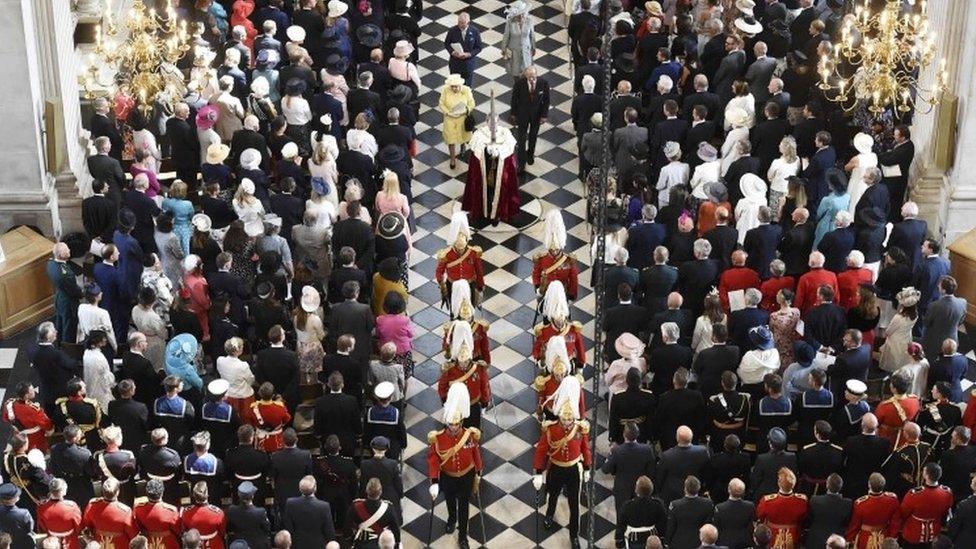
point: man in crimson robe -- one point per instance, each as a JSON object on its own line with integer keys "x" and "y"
{"x": 491, "y": 188}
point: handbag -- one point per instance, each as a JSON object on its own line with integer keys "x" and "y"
{"x": 469, "y": 122}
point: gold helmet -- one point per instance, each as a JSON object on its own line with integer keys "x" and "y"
{"x": 457, "y": 406}
{"x": 567, "y": 398}
{"x": 461, "y": 300}
{"x": 462, "y": 340}
{"x": 557, "y": 357}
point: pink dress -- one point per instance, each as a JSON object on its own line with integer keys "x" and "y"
{"x": 397, "y": 204}
{"x": 396, "y": 329}
{"x": 783, "y": 325}
{"x": 153, "y": 189}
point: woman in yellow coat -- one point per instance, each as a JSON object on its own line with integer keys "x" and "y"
{"x": 456, "y": 102}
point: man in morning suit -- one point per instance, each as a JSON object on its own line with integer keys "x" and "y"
{"x": 463, "y": 62}
{"x": 530, "y": 106}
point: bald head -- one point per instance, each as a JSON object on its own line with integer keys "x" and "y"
{"x": 708, "y": 534}
{"x": 816, "y": 260}
{"x": 911, "y": 431}
{"x": 61, "y": 252}
{"x": 739, "y": 258}
{"x": 675, "y": 300}
{"x": 869, "y": 423}
{"x": 683, "y": 435}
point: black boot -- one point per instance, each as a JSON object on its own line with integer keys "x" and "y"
{"x": 451, "y": 526}
{"x": 550, "y": 524}
{"x": 463, "y": 543}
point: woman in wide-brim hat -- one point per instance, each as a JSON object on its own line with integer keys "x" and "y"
{"x": 898, "y": 334}
{"x": 298, "y": 114}
{"x": 309, "y": 332}
{"x": 455, "y": 104}
{"x": 334, "y": 73}
{"x": 265, "y": 67}
{"x": 393, "y": 239}
{"x": 335, "y": 21}
{"x": 404, "y": 72}
{"x": 858, "y": 165}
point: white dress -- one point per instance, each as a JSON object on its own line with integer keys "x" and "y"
{"x": 894, "y": 352}
{"x": 672, "y": 175}
{"x": 730, "y": 148}
{"x": 92, "y": 317}
{"x": 99, "y": 378}
{"x": 238, "y": 374}
{"x": 856, "y": 185}
{"x": 779, "y": 171}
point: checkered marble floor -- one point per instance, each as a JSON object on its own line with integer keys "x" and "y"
{"x": 510, "y": 430}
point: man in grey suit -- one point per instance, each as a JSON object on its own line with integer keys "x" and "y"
{"x": 759, "y": 73}
{"x": 623, "y": 139}
{"x": 943, "y": 318}
{"x": 626, "y": 463}
{"x": 677, "y": 463}
{"x": 731, "y": 68}
{"x": 353, "y": 318}
{"x": 733, "y": 517}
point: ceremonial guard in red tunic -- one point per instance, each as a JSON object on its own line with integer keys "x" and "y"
{"x": 558, "y": 366}
{"x": 108, "y": 521}
{"x": 555, "y": 313}
{"x": 554, "y": 263}
{"x": 28, "y": 417}
{"x": 925, "y": 509}
{"x": 784, "y": 512}
{"x": 460, "y": 261}
{"x": 269, "y": 416}
{"x": 60, "y": 517}
{"x": 876, "y": 516}
{"x": 159, "y": 521}
{"x": 454, "y": 462}
{"x": 464, "y": 370}
{"x": 562, "y": 456}
{"x": 462, "y": 308}
{"x": 208, "y": 519}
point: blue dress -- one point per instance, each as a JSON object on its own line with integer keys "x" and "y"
{"x": 826, "y": 211}
{"x": 182, "y": 211}
{"x": 181, "y": 353}
{"x": 341, "y": 30}
{"x": 109, "y": 279}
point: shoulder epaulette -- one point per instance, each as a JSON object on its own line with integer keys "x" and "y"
{"x": 61, "y": 400}
{"x": 584, "y": 426}
{"x": 537, "y": 329}
{"x": 917, "y": 489}
{"x": 432, "y": 436}
{"x": 480, "y": 364}
{"x": 442, "y": 254}
{"x": 447, "y": 366}
{"x": 862, "y": 498}
{"x": 169, "y": 506}
{"x": 576, "y": 324}
{"x": 944, "y": 487}
{"x": 832, "y": 445}
{"x": 91, "y": 401}
{"x": 810, "y": 445}
{"x": 801, "y": 496}
{"x": 648, "y": 391}
{"x": 540, "y": 382}
{"x": 279, "y": 402}
{"x": 547, "y": 423}
{"x": 770, "y": 497}
{"x": 255, "y": 404}
{"x": 538, "y": 255}
{"x": 214, "y": 508}
{"x": 123, "y": 506}
{"x": 891, "y": 494}
{"x": 475, "y": 433}
{"x": 476, "y": 249}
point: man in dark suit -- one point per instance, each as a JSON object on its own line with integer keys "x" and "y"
{"x": 678, "y": 463}
{"x": 594, "y": 68}
{"x": 829, "y": 513}
{"x": 332, "y": 413}
{"x": 393, "y": 132}
{"x": 353, "y": 319}
{"x": 103, "y": 126}
{"x": 863, "y": 455}
{"x": 219, "y": 210}
{"x": 815, "y": 174}
{"x": 767, "y": 135}
{"x": 714, "y": 49}
{"x": 671, "y": 128}
{"x": 469, "y": 38}
{"x": 687, "y": 515}
{"x": 897, "y": 163}
{"x": 344, "y": 272}
{"x": 643, "y": 237}
{"x": 227, "y": 284}
{"x": 852, "y": 363}
{"x": 943, "y": 317}
{"x": 350, "y": 367}
{"x": 838, "y": 243}
{"x": 747, "y": 163}
{"x": 711, "y": 101}
{"x": 701, "y": 130}
{"x": 679, "y": 406}
{"x": 759, "y": 73}
{"x": 288, "y": 467}
{"x": 184, "y": 145}
{"x": 656, "y": 283}
{"x": 731, "y": 68}
{"x": 279, "y": 366}
{"x": 358, "y": 235}
{"x": 107, "y": 169}
{"x": 236, "y": 42}
{"x": 267, "y": 41}
{"x": 619, "y": 104}
{"x": 795, "y": 246}
{"x": 617, "y": 274}
{"x": 326, "y": 103}
{"x": 586, "y": 103}
{"x": 778, "y": 96}
{"x": 287, "y": 206}
{"x": 54, "y": 367}
{"x": 806, "y": 130}
{"x": 624, "y": 317}
{"x": 674, "y": 313}
{"x": 530, "y": 107}
{"x": 761, "y": 242}
{"x": 929, "y": 272}
{"x": 626, "y": 462}
{"x": 734, "y": 517}
{"x": 249, "y": 138}
{"x": 129, "y": 415}
{"x": 958, "y": 464}
{"x": 875, "y": 196}
{"x": 712, "y": 362}
{"x": 799, "y": 28}
{"x": 634, "y": 405}
{"x": 647, "y": 48}
{"x": 909, "y": 234}
{"x": 825, "y": 323}
{"x": 745, "y": 319}
{"x": 382, "y": 81}
{"x": 307, "y": 518}
{"x": 246, "y": 521}
{"x": 624, "y": 140}
{"x": 362, "y": 98}
{"x": 696, "y": 278}
{"x": 145, "y": 210}
{"x": 99, "y": 214}
{"x": 723, "y": 238}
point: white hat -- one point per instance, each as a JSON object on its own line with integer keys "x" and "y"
{"x": 201, "y": 222}
{"x": 272, "y": 219}
{"x": 191, "y": 262}
{"x": 310, "y": 299}
{"x": 250, "y": 159}
{"x": 337, "y": 8}
{"x": 383, "y": 390}
{"x": 743, "y": 5}
{"x": 290, "y": 150}
{"x": 863, "y": 142}
{"x": 752, "y": 185}
{"x": 555, "y": 230}
{"x": 296, "y": 33}
{"x": 461, "y": 338}
{"x": 737, "y": 117}
{"x": 253, "y": 224}
{"x": 748, "y": 24}
{"x": 856, "y": 387}
{"x": 567, "y": 398}
{"x": 554, "y": 303}
{"x": 672, "y": 149}
{"x": 459, "y": 225}
{"x": 326, "y": 119}
{"x": 454, "y": 80}
{"x": 460, "y": 295}
{"x": 355, "y": 140}
{"x": 247, "y": 186}
{"x": 260, "y": 86}
{"x": 402, "y": 48}
{"x": 218, "y": 386}
{"x": 556, "y": 353}
{"x": 457, "y": 406}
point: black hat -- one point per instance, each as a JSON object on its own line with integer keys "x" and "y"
{"x": 380, "y": 443}
{"x": 390, "y": 269}
{"x": 369, "y": 35}
{"x": 391, "y": 154}
{"x": 775, "y": 12}
{"x": 391, "y": 225}
{"x": 295, "y": 86}
{"x": 804, "y": 353}
{"x": 336, "y": 64}
{"x": 400, "y": 93}
{"x": 9, "y": 491}
{"x": 265, "y": 289}
{"x": 776, "y": 437}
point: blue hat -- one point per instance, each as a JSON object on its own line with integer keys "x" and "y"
{"x": 380, "y": 443}
{"x": 804, "y": 353}
{"x": 9, "y": 491}
{"x": 776, "y": 437}
{"x": 761, "y": 337}
{"x": 268, "y": 57}
{"x": 247, "y": 488}
{"x": 239, "y": 544}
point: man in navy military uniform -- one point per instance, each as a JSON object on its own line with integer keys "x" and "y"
{"x": 218, "y": 418}
{"x": 248, "y": 522}
{"x": 69, "y": 461}
{"x": 469, "y": 39}
{"x": 384, "y": 419}
{"x": 15, "y": 521}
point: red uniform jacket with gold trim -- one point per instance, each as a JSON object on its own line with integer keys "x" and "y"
{"x": 29, "y": 416}
{"x": 209, "y": 520}
{"x": 890, "y": 421}
{"x": 563, "y": 446}
{"x": 446, "y": 454}
{"x": 476, "y": 381}
{"x": 875, "y": 517}
{"x": 61, "y": 519}
{"x": 784, "y": 515}
{"x": 161, "y": 523}
{"x": 566, "y": 272}
{"x": 572, "y": 332}
{"x": 269, "y": 417}
{"x": 110, "y": 523}
{"x": 546, "y": 387}
{"x": 452, "y": 266}
{"x": 923, "y": 511}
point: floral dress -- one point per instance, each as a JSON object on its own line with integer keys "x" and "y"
{"x": 783, "y": 325}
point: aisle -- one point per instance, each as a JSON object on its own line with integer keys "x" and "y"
{"x": 510, "y": 430}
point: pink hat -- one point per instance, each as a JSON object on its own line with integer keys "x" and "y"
{"x": 628, "y": 345}
{"x": 207, "y": 117}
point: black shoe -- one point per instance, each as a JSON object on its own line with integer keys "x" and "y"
{"x": 574, "y": 543}
{"x": 550, "y": 524}
{"x": 463, "y": 543}
{"x": 450, "y": 527}
{"x": 531, "y": 159}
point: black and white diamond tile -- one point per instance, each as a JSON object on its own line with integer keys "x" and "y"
{"x": 509, "y": 429}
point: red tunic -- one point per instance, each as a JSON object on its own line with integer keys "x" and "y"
{"x": 30, "y": 419}
{"x": 848, "y": 283}
{"x": 61, "y": 519}
{"x": 508, "y": 199}
{"x": 809, "y": 283}
{"x": 875, "y": 517}
{"x": 453, "y": 265}
{"x": 209, "y": 521}
{"x": 269, "y": 417}
{"x": 572, "y": 332}
{"x": 923, "y": 510}
{"x": 479, "y": 332}
{"x": 563, "y": 447}
{"x": 110, "y": 523}
{"x": 784, "y": 515}
{"x": 475, "y": 378}
{"x": 736, "y": 278}
{"x": 770, "y": 288}
{"x": 890, "y": 420}
{"x": 559, "y": 266}
{"x": 160, "y": 522}
{"x": 444, "y": 455}
{"x": 969, "y": 416}
{"x": 546, "y": 387}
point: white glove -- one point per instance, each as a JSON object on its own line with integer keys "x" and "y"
{"x": 434, "y": 490}
{"x": 586, "y": 476}
{"x": 538, "y": 481}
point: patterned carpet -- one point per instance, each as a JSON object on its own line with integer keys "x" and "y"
{"x": 510, "y": 430}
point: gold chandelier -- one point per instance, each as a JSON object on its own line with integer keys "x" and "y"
{"x": 143, "y": 62}
{"x": 879, "y": 60}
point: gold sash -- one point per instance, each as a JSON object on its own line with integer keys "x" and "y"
{"x": 458, "y": 261}
{"x": 559, "y": 444}
{"x": 453, "y": 450}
